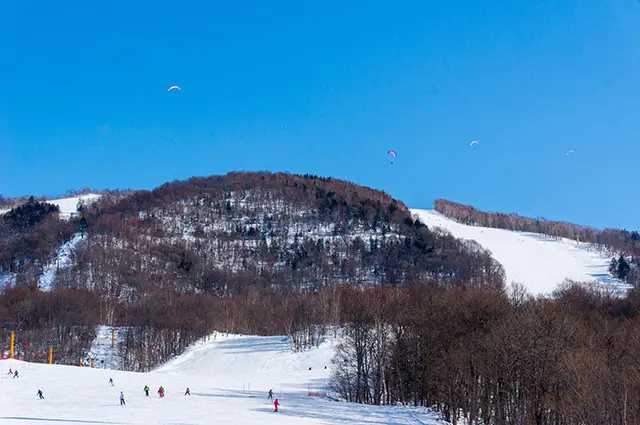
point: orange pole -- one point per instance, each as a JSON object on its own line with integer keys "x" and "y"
{"x": 93, "y": 363}
{"x": 50, "y": 355}
{"x": 12, "y": 340}
{"x": 80, "y": 361}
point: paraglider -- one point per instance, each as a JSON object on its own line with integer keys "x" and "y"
{"x": 475, "y": 142}
{"x": 392, "y": 153}
{"x": 174, "y": 88}
{"x": 569, "y": 152}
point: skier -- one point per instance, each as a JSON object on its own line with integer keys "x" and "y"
{"x": 276, "y": 404}
{"x": 270, "y": 393}
{"x": 188, "y": 392}
{"x": 10, "y": 372}
{"x": 146, "y": 390}
{"x": 40, "y": 394}
{"x": 111, "y": 381}
{"x": 122, "y": 403}
{"x": 15, "y": 375}
{"x": 161, "y": 391}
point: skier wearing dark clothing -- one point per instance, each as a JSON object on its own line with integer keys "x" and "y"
{"x": 270, "y": 393}
{"x": 122, "y": 403}
{"x": 188, "y": 392}
{"x": 15, "y": 375}
{"x": 40, "y": 394}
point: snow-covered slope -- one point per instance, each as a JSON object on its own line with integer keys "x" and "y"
{"x": 537, "y": 261}
{"x": 62, "y": 259}
{"x": 229, "y": 377}
{"x": 101, "y": 350}
{"x": 68, "y": 206}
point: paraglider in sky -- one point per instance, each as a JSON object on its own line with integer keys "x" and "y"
{"x": 475, "y": 142}
{"x": 392, "y": 153}
{"x": 569, "y": 152}
{"x": 174, "y": 87}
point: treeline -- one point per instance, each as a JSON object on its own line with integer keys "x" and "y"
{"x": 479, "y": 357}
{"x": 474, "y": 353}
{"x": 157, "y": 326}
{"x": 223, "y": 235}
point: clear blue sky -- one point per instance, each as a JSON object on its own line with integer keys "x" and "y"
{"x": 327, "y": 88}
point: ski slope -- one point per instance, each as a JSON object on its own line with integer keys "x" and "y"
{"x": 68, "y": 206}
{"x": 63, "y": 259}
{"x": 229, "y": 377}
{"x": 539, "y": 262}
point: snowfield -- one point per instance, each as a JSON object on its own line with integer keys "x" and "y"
{"x": 229, "y": 377}
{"x": 68, "y": 206}
{"x": 539, "y": 262}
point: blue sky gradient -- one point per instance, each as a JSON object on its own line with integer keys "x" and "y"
{"x": 327, "y": 88}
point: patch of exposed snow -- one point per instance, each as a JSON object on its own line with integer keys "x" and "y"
{"x": 62, "y": 259}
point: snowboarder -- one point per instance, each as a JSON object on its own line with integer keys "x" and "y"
{"x": 40, "y": 395}
{"x": 15, "y": 375}
{"x": 188, "y": 392}
{"x": 161, "y": 391}
{"x": 270, "y": 393}
{"x": 146, "y": 390}
{"x": 276, "y": 404}
{"x": 111, "y": 381}
{"x": 122, "y": 403}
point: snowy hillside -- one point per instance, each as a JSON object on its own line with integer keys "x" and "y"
{"x": 68, "y": 206}
{"x": 229, "y": 377}
{"x": 537, "y": 261}
{"x": 63, "y": 259}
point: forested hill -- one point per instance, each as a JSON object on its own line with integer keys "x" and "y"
{"x": 225, "y": 234}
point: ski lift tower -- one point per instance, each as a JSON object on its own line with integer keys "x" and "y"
{"x": 10, "y": 329}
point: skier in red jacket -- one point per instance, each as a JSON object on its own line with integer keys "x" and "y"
{"x": 276, "y": 404}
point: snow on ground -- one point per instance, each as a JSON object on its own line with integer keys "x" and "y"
{"x": 68, "y": 206}
{"x": 107, "y": 356}
{"x": 61, "y": 260}
{"x": 537, "y": 261}
{"x": 7, "y": 279}
{"x": 229, "y": 377}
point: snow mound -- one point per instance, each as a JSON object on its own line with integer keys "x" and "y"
{"x": 539, "y": 262}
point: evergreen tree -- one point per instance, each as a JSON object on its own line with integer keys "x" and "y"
{"x": 613, "y": 267}
{"x": 623, "y": 268}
